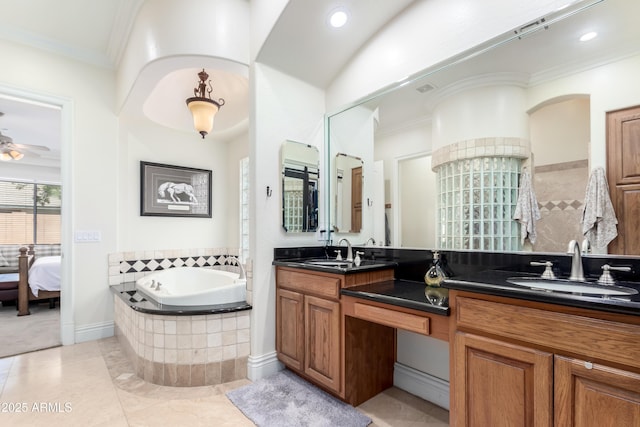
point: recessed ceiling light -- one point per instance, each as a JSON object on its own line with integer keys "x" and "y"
{"x": 338, "y": 18}
{"x": 588, "y": 36}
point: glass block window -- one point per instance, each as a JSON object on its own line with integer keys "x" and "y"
{"x": 293, "y": 191}
{"x": 476, "y": 201}
{"x": 244, "y": 209}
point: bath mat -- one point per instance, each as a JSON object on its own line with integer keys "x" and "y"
{"x": 284, "y": 399}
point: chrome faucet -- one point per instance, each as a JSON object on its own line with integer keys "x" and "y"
{"x": 586, "y": 246}
{"x": 349, "y": 250}
{"x": 577, "y": 274}
{"x": 372, "y": 240}
{"x": 242, "y": 274}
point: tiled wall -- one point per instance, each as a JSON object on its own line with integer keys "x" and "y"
{"x": 560, "y": 190}
{"x": 131, "y": 266}
{"x": 184, "y": 350}
{"x": 181, "y": 350}
{"x": 482, "y": 147}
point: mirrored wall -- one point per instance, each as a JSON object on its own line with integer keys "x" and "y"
{"x": 538, "y": 98}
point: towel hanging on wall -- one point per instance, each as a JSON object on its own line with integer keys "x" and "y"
{"x": 598, "y": 217}
{"x": 527, "y": 211}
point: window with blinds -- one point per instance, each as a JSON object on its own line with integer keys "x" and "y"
{"x": 29, "y": 213}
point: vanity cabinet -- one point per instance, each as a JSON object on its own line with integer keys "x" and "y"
{"x": 519, "y": 363}
{"x": 314, "y": 340}
{"x": 308, "y": 325}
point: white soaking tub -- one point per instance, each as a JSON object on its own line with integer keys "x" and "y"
{"x": 190, "y": 286}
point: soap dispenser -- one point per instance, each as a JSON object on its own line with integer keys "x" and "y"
{"x": 435, "y": 275}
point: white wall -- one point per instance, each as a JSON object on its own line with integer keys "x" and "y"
{"x": 90, "y": 196}
{"x": 145, "y": 141}
{"x": 417, "y": 205}
{"x": 427, "y": 33}
{"x": 560, "y": 132}
{"x": 392, "y": 147}
{"x": 491, "y": 111}
{"x": 284, "y": 109}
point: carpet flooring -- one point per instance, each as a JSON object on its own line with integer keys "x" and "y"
{"x": 23, "y": 334}
{"x": 284, "y": 399}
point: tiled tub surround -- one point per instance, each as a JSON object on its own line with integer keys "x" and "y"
{"x": 184, "y": 350}
{"x": 176, "y": 347}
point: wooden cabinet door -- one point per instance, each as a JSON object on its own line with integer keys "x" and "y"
{"x": 356, "y": 200}
{"x": 322, "y": 330}
{"x": 590, "y": 395}
{"x": 290, "y": 328}
{"x": 623, "y": 174}
{"x": 500, "y": 384}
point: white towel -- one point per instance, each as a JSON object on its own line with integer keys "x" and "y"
{"x": 598, "y": 218}
{"x": 527, "y": 211}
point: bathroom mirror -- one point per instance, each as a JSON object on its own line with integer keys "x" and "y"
{"x": 347, "y": 190}
{"x": 300, "y": 175}
{"x": 566, "y": 88}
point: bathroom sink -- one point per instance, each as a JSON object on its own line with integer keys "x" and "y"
{"x": 566, "y": 286}
{"x": 329, "y": 263}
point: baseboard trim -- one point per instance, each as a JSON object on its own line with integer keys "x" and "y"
{"x": 422, "y": 385}
{"x": 94, "y": 331}
{"x": 263, "y": 365}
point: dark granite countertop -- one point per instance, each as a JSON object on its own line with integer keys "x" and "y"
{"x": 139, "y": 302}
{"x": 494, "y": 282}
{"x": 366, "y": 265}
{"x": 403, "y": 293}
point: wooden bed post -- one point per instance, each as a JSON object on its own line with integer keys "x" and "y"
{"x": 23, "y": 286}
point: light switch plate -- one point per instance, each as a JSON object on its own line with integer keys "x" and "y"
{"x": 86, "y": 236}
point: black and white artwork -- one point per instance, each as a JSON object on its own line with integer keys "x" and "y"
{"x": 167, "y": 190}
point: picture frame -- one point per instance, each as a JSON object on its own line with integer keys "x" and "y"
{"x": 176, "y": 191}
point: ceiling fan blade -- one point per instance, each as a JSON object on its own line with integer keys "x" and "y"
{"x": 31, "y": 147}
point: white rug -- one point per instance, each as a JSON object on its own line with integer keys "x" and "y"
{"x": 284, "y": 399}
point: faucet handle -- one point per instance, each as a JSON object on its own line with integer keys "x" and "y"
{"x": 606, "y": 278}
{"x": 339, "y": 255}
{"x": 548, "y": 272}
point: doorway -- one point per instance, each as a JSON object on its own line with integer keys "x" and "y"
{"x": 47, "y": 166}
{"x": 416, "y": 202}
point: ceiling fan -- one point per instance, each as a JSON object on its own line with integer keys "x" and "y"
{"x": 12, "y": 151}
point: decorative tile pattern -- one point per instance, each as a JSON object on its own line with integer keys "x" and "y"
{"x": 517, "y": 148}
{"x": 130, "y": 266}
{"x": 561, "y": 205}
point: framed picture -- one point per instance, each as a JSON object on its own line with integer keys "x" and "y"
{"x": 167, "y": 190}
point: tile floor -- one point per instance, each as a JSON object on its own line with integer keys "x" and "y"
{"x": 92, "y": 384}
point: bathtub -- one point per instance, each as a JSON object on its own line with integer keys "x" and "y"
{"x": 191, "y": 286}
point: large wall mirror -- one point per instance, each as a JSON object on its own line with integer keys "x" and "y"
{"x": 300, "y": 175}
{"x": 537, "y": 94}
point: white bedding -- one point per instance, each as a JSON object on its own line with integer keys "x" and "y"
{"x": 44, "y": 274}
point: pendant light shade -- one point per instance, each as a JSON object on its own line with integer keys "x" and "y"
{"x": 202, "y": 107}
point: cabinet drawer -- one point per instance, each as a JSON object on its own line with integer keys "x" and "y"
{"x": 395, "y": 319}
{"x": 593, "y": 338}
{"x": 315, "y": 284}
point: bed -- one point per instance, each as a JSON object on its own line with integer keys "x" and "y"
{"x": 39, "y": 279}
